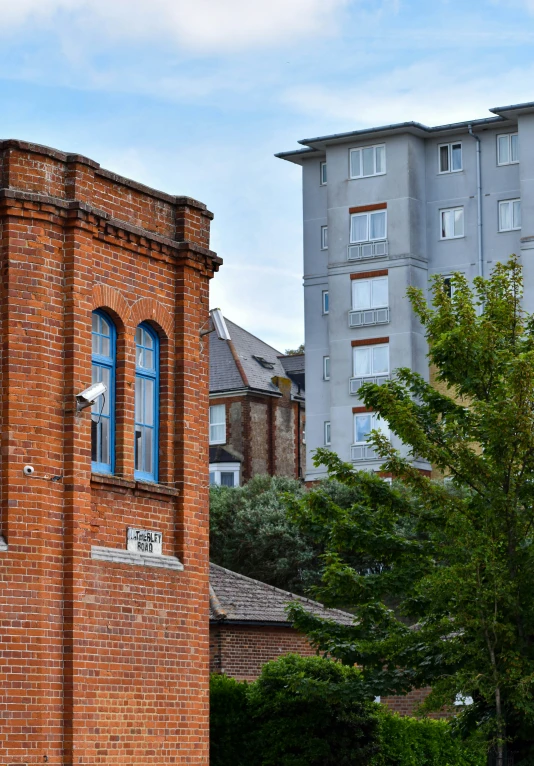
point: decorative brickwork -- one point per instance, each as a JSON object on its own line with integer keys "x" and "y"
{"x": 104, "y": 659}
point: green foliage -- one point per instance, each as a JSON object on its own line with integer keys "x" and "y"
{"x": 455, "y": 559}
{"x": 315, "y": 712}
{"x": 312, "y": 712}
{"x": 250, "y": 533}
{"x": 300, "y": 712}
{"x": 295, "y": 351}
{"x": 408, "y": 741}
{"x": 229, "y": 722}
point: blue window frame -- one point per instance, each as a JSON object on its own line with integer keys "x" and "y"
{"x": 146, "y": 403}
{"x": 103, "y": 409}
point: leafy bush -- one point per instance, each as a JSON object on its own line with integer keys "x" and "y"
{"x": 229, "y": 722}
{"x": 312, "y": 712}
{"x": 300, "y": 712}
{"x": 406, "y": 741}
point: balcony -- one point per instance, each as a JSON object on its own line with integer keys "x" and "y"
{"x": 363, "y": 452}
{"x": 368, "y": 317}
{"x": 356, "y": 383}
{"x": 367, "y": 250}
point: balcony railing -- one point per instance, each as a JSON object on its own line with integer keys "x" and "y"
{"x": 368, "y": 317}
{"x": 363, "y": 452}
{"x": 366, "y": 250}
{"x": 356, "y": 383}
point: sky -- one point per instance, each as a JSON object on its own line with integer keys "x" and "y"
{"x": 195, "y": 98}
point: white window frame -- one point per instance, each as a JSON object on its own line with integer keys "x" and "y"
{"x": 511, "y": 203}
{"x": 451, "y": 210}
{"x": 326, "y": 368}
{"x": 385, "y": 429}
{"x": 449, "y": 151}
{"x": 217, "y": 423}
{"x": 452, "y": 288}
{"x": 218, "y": 468}
{"x": 371, "y": 306}
{"x": 372, "y": 373}
{"x": 360, "y": 149}
{"x": 327, "y": 434}
{"x": 325, "y": 302}
{"x": 509, "y": 137}
{"x": 368, "y": 216}
{"x": 324, "y": 237}
{"x": 322, "y": 173}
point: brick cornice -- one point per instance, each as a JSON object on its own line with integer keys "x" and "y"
{"x": 369, "y": 341}
{"x": 368, "y": 208}
{"x": 73, "y": 212}
{"x": 370, "y": 274}
{"x": 69, "y": 159}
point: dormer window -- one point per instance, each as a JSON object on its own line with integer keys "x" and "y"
{"x": 264, "y": 363}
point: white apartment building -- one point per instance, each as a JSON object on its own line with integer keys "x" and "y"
{"x": 389, "y": 207}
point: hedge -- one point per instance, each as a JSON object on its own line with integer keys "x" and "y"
{"x": 406, "y": 741}
{"x": 313, "y": 712}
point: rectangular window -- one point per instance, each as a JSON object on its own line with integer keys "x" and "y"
{"x": 326, "y": 368}
{"x": 324, "y": 237}
{"x": 325, "y": 301}
{"x": 452, "y": 223}
{"x": 224, "y": 474}
{"x": 510, "y": 215}
{"x": 368, "y": 227}
{"x": 369, "y": 293}
{"x": 217, "y": 424}
{"x": 508, "y": 149}
{"x": 448, "y": 285}
{"x": 367, "y": 161}
{"x": 370, "y": 360}
{"x": 322, "y": 171}
{"x": 450, "y": 158}
{"x": 365, "y": 422}
{"x": 327, "y": 440}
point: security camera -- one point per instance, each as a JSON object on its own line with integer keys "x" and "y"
{"x": 28, "y": 470}
{"x": 90, "y": 395}
{"x": 219, "y": 324}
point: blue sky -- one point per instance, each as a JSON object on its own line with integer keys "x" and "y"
{"x": 195, "y": 98}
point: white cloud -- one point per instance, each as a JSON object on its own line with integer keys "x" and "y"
{"x": 202, "y": 25}
{"x": 430, "y": 92}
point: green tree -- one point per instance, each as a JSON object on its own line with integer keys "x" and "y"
{"x": 250, "y": 533}
{"x": 449, "y": 600}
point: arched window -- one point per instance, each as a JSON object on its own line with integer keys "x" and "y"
{"x": 146, "y": 403}
{"x": 103, "y": 410}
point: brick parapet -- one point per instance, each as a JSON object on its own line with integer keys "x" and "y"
{"x": 104, "y": 661}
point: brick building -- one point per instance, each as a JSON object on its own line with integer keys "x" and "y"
{"x": 104, "y": 650}
{"x": 249, "y": 627}
{"x": 249, "y": 624}
{"x": 257, "y": 412}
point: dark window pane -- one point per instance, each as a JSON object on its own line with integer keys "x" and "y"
{"x": 227, "y": 478}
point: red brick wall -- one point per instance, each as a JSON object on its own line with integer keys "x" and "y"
{"x": 240, "y": 651}
{"x": 102, "y": 663}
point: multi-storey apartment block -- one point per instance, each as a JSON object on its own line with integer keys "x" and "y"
{"x": 389, "y": 207}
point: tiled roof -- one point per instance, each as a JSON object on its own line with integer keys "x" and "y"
{"x": 236, "y": 598}
{"x": 293, "y": 362}
{"x": 236, "y": 364}
{"x": 221, "y": 454}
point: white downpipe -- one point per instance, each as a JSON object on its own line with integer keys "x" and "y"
{"x": 479, "y": 204}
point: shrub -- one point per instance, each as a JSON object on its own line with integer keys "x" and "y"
{"x": 312, "y": 712}
{"x": 229, "y": 722}
{"x": 406, "y": 741}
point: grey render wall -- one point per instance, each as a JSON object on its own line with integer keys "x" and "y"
{"x": 415, "y": 193}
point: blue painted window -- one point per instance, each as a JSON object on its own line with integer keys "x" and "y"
{"x": 146, "y": 403}
{"x": 103, "y": 410}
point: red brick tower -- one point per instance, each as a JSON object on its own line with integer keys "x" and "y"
{"x": 104, "y": 650}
